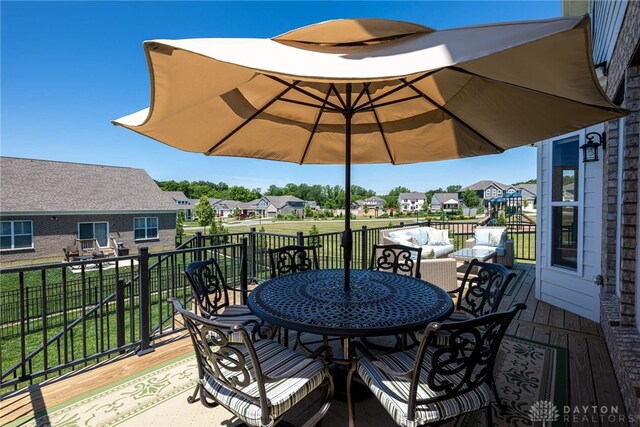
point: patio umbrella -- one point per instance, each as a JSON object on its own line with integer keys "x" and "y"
{"x": 373, "y": 91}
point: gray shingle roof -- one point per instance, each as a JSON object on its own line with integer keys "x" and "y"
{"x": 280, "y": 201}
{"x": 412, "y": 195}
{"x": 444, "y": 197}
{"x": 481, "y": 185}
{"x": 29, "y": 185}
{"x": 177, "y": 195}
{"x": 532, "y": 188}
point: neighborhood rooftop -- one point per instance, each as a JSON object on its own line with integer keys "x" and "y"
{"x": 30, "y": 185}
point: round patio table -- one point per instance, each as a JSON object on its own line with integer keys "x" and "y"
{"x": 377, "y": 304}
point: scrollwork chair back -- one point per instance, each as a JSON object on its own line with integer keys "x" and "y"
{"x": 467, "y": 362}
{"x": 397, "y": 259}
{"x": 209, "y": 286}
{"x": 292, "y": 259}
{"x": 481, "y": 294}
{"x": 230, "y": 362}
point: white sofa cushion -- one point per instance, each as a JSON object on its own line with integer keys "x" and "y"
{"x": 438, "y": 237}
{"x": 493, "y": 237}
{"x": 440, "y": 250}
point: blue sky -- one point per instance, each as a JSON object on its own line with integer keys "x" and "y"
{"x": 69, "y": 68}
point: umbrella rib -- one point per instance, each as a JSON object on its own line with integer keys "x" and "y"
{"x": 463, "y": 71}
{"x": 404, "y": 84}
{"x": 315, "y": 126}
{"x": 335, "y": 90}
{"x": 254, "y": 115}
{"x": 365, "y": 89}
{"x": 455, "y": 117}
{"x": 308, "y": 104}
{"x": 298, "y": 89}
{"x": 384, "y": 138}
{"x": 384, "y": 104}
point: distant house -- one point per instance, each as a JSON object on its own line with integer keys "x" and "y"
{"x": 411, "y": 201}
{"x": 272, "y": 206}
{"x": 49, "y": 205}
{"x": 487, "y": 190}
{"x": 184, "y": 204}
{"x": 445, "y": 201}
{"x": 223, "y": 208}
{"x": 528, "y": 193}
{"x": 374, "y": 202}
{"x": 313, "y": 205}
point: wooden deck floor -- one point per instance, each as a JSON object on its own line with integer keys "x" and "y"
{"x": 591, "y": 377}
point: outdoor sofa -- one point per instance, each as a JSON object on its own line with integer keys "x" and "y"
{"x": 435, "y": 266}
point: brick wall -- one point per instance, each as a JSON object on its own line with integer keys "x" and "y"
{"x": 623, "y": 343}
{"x": 618, "y": 315}
{"x": 53, "y": 232}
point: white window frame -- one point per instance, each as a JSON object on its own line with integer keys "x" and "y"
{"x": 93, "y": 224}
{"x": 146, "y": 228}
{"x": 551, "y": 204}
{"x": 13, "y": 236}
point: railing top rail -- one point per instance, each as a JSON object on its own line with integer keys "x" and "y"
{"x": 264, "y": 233}
{"x": 38, "y": 267}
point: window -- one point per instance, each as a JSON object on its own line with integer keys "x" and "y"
{"x": 145, "y": 228}
{"x": 564, "y": 202}
{"x": 94, "y": 230}
{"x": 16, "y": 235}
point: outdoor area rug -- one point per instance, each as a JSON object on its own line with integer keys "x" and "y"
{"x": 527, "y": 372}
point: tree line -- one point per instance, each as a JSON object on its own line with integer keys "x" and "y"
{"x": 327, "y": 196}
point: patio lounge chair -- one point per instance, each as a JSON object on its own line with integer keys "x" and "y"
{"x": 70, "y": 252}
{"x": 258, "y": 380}
{"x": 431, "y": 384}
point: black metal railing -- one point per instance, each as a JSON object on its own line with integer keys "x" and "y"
{"x": 98, "y": 308}
{"x": 58, "y": 317}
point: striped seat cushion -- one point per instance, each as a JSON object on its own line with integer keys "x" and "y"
{"x": 275, "y": 359}
{"x": 428, "y": 413}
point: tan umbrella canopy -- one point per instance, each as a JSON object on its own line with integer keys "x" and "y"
{"x": 373, "y": 91}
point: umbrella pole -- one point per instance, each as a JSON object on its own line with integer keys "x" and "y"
{"x": 347, "y": 241}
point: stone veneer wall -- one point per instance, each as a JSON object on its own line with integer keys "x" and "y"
{"x": 618, "y": 316}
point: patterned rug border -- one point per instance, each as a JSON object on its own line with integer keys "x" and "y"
{"x": 97, "y": 391}
{"x": 562, "y": 387}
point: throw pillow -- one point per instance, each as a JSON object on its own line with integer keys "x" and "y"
{"x": 494, "y": 238}
{"x": 481, "y": 236}
{"x": 429, "y": 254}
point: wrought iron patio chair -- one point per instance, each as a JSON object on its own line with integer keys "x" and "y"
{"x": 431, "y": 384}
{"x": 211, "y": 293}
{"x": 293, "y": 259}
{"x": 398, "y": 259}
{"x": 258, "y": 380}
{"x": 481, "y": 291}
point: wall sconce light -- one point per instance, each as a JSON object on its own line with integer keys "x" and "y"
{"x": 590, "y": 148}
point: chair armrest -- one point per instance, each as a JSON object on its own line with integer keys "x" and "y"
{"x": 507, "y": 258}
{"x": 441, "y": 272}
{"x": 470, "y": 243}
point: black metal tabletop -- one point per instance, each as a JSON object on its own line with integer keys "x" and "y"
{"x": 378, "y": 303}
